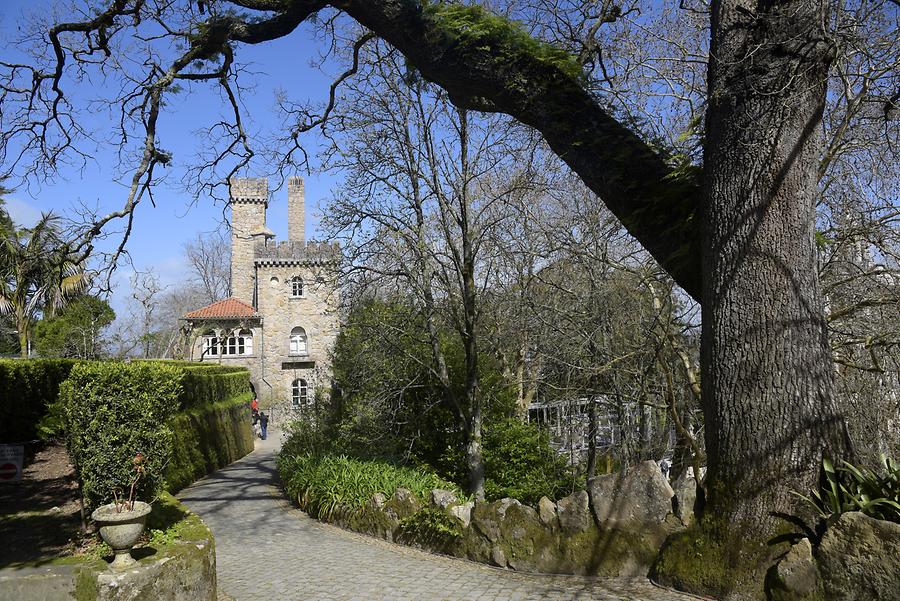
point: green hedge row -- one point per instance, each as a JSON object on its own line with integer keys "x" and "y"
{"x": 27, "y": 388}
{"x": 207, "y": 439}
{"x": 208, "y": 385}
{"x": 116, "y": 410}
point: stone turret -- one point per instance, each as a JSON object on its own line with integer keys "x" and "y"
{"x": 296, "y": 210}
{"x": 249, "y": 199}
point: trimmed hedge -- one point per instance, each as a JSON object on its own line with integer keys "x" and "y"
{"x": 207, "y": 439}
{"x": 27, "y": 389}
{"x": 206, "y": 383}
{"x": 210, "y": 384}
{"x": 186, "y": 419}
{"x": 113, "y": 412}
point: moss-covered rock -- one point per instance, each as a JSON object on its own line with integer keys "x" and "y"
{"x": 430, "y": 529}
{"x": 859, "y": 558}
{"x": 710, "y": 558}
{"x": 372, "y": 519}
{"x": 402, "y": 504}
{"x": 795, "y": 577}
{"x": 574, "y": 513}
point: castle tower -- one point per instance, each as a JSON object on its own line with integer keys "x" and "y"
{"x": 249, "y": 199}
{"x": 296, "y": 210}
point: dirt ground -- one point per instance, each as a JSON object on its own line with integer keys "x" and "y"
{"x": 39, "y": 515}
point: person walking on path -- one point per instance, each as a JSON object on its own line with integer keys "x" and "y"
{"x": 263, "y": 424}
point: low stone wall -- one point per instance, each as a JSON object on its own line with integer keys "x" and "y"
{"x": 615, "y": 528}
{"x": 183, "y": 570}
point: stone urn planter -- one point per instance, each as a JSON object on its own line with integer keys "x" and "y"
{"x": 121, "y": 530}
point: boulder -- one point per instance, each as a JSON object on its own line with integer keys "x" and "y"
{"x": 858, "y": 559}
{"x": 504, "y": 504}
{"x": 634, "y": 498}
{"x": 498, "y": 557}
{"x": 796, "y": 575}
{"x": 547, "y": 511}
{"x": 462, "y": 512}
{"x": 442, "y": 499}
{"x": 574, "y": 512}
{"x": 486, "y": 520}
{"x": 487, "y": 517}
{"x": 403, "y": 503}
{"x": 685, "y": 490}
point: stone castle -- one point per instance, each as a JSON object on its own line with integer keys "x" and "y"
{"x": 281, "y": 320}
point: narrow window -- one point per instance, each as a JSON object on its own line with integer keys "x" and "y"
{"x": 300, "y": 393}
{"x": 296, "y": 286}
{"x": 246, "y": 342}
{"x": 298, "y": 342}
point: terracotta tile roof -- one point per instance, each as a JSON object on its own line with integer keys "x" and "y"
{"x": 228, "y": 308}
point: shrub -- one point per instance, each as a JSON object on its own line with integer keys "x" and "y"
{"x": 850, "y": 488}
{"x": 114, "y": 411}
{"x": 520, "y": 463}
{"x": 28, "y": 390}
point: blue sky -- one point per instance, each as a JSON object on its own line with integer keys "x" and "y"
{"x": 159, "y": 233}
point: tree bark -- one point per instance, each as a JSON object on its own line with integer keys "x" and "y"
{"x": 767, "y": 368}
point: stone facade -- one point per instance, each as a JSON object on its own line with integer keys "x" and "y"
{"x": 287, "y": 303}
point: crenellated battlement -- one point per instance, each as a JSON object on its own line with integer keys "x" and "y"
{"x": 294, "y": 251}
{"x": 249, "y": 189}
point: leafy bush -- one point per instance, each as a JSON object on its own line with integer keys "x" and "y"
{"x": 28, "y": 390}
{"x": 114, "y": 411}
{"x": 850, "y": 488}
{"x": 520, "y": 463}
{"x": 332, "y": 484}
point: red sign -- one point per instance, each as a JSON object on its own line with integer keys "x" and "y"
{"x": 8, "y": 471}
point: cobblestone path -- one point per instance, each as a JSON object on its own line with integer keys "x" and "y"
{"x": 267, "y": 550}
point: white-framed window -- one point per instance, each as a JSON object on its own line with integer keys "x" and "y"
{"x": 296, "y": 287}
{"x": 210, "y": 344}
{"x": 238, "y": 343}
{"x": 300, "y": 393}
{"x": 299, "y": 344}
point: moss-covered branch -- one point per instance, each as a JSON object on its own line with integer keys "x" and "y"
{"x": 487, "y": 63}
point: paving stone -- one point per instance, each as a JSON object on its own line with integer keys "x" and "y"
{"x": 266, "y": 549}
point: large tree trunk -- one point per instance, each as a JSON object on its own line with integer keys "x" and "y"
{"x": 767, "y": 368}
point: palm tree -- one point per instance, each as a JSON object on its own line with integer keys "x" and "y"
{"x": 38, "y": 272}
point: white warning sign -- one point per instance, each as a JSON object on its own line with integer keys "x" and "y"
{"x": 11, "y": 459}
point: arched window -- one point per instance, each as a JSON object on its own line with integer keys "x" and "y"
{"x": 300, "y": 393}
{"x": 246, "y": 337}
{"x": 296, "y": 286}
{"x": 298, "y": 342}
{"x": 210, "y": 344}
{"x": 238, "y": 343}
